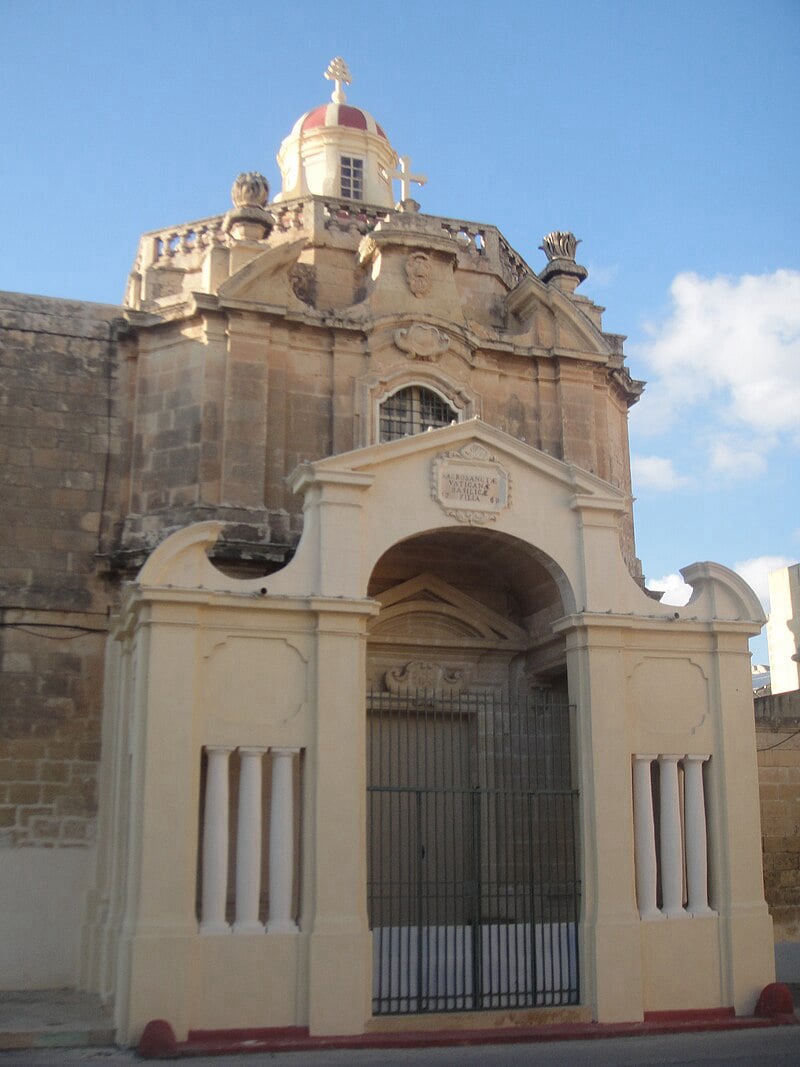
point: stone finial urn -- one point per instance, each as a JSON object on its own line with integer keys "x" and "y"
{"x": 560, "y": 247}
{"x": 560, "y": 244}
{"x": 249, "y": 220}
{"x": 250, "y": 189}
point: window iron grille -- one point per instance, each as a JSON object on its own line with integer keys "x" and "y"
{"x": 413, "y": 410}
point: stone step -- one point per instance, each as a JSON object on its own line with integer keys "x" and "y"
{"x": 53, "y": 1018}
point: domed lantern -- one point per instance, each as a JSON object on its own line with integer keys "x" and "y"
{"x": 337, "y": 150}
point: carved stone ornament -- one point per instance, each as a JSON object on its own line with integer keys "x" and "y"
{"x": 430, "y": 679}
{"x": 470, "y": 485}
{"x": 304, "y": 283}
{"x": 419, "y": 273}
{"x": 250, "y": 190}
{"x": 560, "y": 244}
{"x": 422, "y": 342}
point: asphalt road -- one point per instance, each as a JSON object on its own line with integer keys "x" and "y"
{"x": 776, "y": 1047}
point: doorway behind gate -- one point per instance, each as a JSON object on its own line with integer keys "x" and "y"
{"x": 473, "y": 884}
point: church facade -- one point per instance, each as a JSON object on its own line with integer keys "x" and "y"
{"x": 347, "y": 585}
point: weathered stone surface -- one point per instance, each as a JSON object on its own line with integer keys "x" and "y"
{"x": 778, "y": 743}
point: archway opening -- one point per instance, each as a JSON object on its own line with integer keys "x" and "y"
{"x": 473, "y": 874}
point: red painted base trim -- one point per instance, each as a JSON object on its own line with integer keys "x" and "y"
{"x": 298, "y": 1039}
{"x": 690, "y": 1015}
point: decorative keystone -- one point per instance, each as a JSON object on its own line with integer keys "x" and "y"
{"x": 560, "y": 247}
{"x": 249, "y": 220}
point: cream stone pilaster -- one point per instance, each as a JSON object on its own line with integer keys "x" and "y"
{"x": 248, "y": 842}
{"x": 244, "y": 436}
{"x": 340, "y": 955}
{"x": 99, "y": 896}
{"x": 671, "y": 852}
{"x": 159, "y": 926}
{"x": 120, "y": 824}
{"x": 215, "y": 357}
{"x": 576, "y": 393}
{"x": 281, "y": 842}
{"x": 333, "y": 516}
{"x": 645, "y": 839}
{"x": 735, "y": 824}
{"x": 611, "y": 925}
{"x": 601, "y": 582}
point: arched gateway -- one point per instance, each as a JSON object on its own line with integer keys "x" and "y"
{"x": 556, "y": 813}
{"x": 512, "y": 853}
{"x": 473, "y": 880}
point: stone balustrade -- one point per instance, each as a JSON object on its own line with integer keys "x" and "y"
{"x": 678, "y": 857}
{"x": 180, "y": 246}
{"x": 250, "y": 842}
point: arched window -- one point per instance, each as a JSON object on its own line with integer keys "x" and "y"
{"x": 414, "y": 410}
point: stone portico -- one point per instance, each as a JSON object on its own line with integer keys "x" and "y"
{"x": 390, "y": 726}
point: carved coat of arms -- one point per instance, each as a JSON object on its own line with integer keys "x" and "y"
{"x": 419, "y": 273}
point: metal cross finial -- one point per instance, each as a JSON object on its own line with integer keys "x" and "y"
{"x": 405, "y": 177}
{"x": 338, "y": 72}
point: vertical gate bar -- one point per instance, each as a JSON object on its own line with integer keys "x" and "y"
{"x": 409, "y": 846}
{"x": 467, "y": 855}
{"x": 564, "y": 940}
{"x": 510, "y": 843}
{"x": 382, "y": 799}
{"x": 461, "y": 857}
{"x": 450, "y": 905}
{"x": 574, "y": 815}
{"x": 512, "y": 860}
{"x": 544, "y": 857}
{"x": 525, "y": 811}
{"x": 421, "y": 1002}
{"x": 575, "y": 901}
{"x": 502, "y": 851}
{"x": 499, "y": 846}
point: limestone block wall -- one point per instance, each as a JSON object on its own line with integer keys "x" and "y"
{"x": 58, "y": 436}
{"x": 59, "y": 440}
{"x": 778, "y": 746}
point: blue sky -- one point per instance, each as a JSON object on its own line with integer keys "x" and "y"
{"x": 665, "y": 135}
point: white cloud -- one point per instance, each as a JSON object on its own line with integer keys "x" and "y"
{"x": 737, "y": 459}
{"x": 603, "y": 276}
{"x": 732, "y": 345}
{"x": 655, "y": 472}
{"x": 676, "y": 591}
{"x": 756, "y": 573}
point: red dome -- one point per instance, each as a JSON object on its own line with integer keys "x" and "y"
{"x": 341, "y": 115}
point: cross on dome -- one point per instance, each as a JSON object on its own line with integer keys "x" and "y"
{"x": 405, "y": 177}
{"x": 338, "y": 72}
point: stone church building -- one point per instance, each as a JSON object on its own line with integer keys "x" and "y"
{"x": 333, "y": 697}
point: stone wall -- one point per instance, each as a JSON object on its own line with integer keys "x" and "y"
{"x": 778, "y": 744}
{"x": 58, "y": 438}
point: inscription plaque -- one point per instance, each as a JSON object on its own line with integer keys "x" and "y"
{"x": 470, "y": 485}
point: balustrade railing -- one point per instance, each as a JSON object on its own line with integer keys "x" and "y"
{"x": 184, "y": 246}
{"x": 181, "y": 246}
{"x": 670, "y": 836}
{"x": 250, "y": 846}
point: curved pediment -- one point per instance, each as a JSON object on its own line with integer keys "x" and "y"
{"x": 555, "y": 319}
{"x": 265, "y": 279}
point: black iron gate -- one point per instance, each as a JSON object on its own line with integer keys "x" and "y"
{"x": 473, "y": 879}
